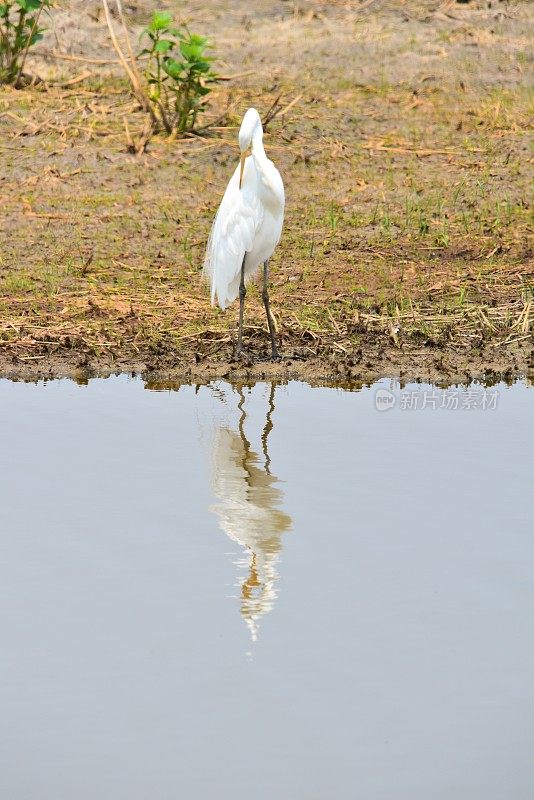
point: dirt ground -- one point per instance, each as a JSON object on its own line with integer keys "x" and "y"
{"x": 406, "y": 151}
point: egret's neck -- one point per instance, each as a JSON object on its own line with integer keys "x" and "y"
{"x": 257, "y": 142}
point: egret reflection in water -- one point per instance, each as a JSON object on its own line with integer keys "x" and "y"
{"x": 249, "y": 511}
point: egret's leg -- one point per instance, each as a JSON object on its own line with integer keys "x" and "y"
{"x": 270, "y": 321}
{"x": 242, "y": 293}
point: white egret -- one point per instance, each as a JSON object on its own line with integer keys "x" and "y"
{"x": 247, "y": 227}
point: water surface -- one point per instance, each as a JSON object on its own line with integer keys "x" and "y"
{"x": 267, "y": 592}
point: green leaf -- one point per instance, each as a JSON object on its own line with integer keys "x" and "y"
{"x": 199, "y": 40}
{"x": 192, "y": 52}
{"x": 201, "y": 66}
{"x": 160, "y": 21}
{"x": 173, "y": 68}
{"x": 30, "y": 5}
{"x": 163, "y": 46}
{"x": 37, "y": 37}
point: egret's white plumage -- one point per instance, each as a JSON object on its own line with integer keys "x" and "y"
{"x": 248, "y": 224}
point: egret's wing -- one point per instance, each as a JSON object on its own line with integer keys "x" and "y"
{"x": 232, "y": 235}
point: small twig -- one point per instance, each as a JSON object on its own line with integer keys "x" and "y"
{"x": 237, "y": 75}
{"x": 513, "y": 341}
{"x": 133, "y": 75}
{"x": 129, "y": 141}
{"x": 417, "y": 152}
{"x": 128, "y": 44}
{"x": 20, "y": 120}
{"x": 116, "y": 45}
{"x": 69, "y": 57}
{"x": 78, "y": 79}
{"x": 277, "y": 110}
{"x": 146, "y": 136}
{"x": 290, "y": 105}
{"x": 271, "y": 112}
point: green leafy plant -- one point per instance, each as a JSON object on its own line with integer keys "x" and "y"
{"x": 178, "y": 72}
{"x": 19, "y": 30}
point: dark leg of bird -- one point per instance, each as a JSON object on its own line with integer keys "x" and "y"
{"x": 242, "y": 293}
{"x": 270, "y": 321}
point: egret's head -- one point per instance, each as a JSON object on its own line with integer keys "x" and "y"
{"x": 251, "y": 124}
{"x": 250, "y": 127}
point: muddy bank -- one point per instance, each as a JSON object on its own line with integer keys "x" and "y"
{"x": 372, "y": 360}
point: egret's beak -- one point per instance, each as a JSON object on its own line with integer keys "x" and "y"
{"x": 244, "y": 156}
